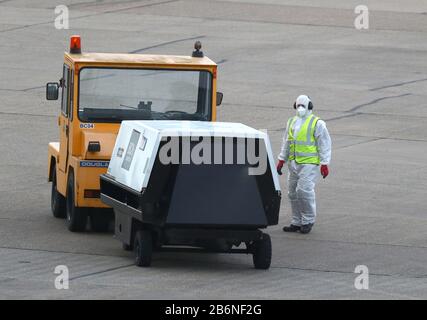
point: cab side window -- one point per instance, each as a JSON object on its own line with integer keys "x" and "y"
{"x": 65, "y": 84}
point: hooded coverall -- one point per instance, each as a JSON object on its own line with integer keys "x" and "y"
{"x": 302, "y": 178}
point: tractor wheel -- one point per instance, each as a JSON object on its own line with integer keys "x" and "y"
{"x": 143, "y": 248}
{"x": 262, "y": 252}
{"x": 76, "y": 217}
{"x": 57, "y": 200}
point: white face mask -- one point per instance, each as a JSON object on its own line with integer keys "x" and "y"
{"x": 301, "y": 111}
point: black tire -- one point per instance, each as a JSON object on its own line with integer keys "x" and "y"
{"x": 76, "y": 217}
{"x": 100, "y": 220}
{"x": 262, "y": 252}
{"x": 57, "y": 200}
{"x": 143, "y": 248}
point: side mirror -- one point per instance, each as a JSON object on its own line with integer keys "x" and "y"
{"x": 219, "y": 96}
{"x": 52, "y": 91}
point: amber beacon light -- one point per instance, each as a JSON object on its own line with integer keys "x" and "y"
{"x": 75, "y": 45}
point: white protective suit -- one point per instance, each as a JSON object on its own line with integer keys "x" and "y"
{"x": 302, "y": 178}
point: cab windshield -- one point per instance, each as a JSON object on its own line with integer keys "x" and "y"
{"x": 113, "y": 95}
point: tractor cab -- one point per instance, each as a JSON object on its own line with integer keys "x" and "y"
{"x": 100, "y": 90}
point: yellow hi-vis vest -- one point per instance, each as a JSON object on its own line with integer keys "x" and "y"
{"x": 303, "y": 148}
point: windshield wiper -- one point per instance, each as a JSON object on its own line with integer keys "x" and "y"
{"x": 130, "y": 107}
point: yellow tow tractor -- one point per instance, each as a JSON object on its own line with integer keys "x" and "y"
{"x": 99, "y": 91}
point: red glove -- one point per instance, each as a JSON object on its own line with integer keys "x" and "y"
{"x": 280, "y": 166}
{"x": 324, "y": 170}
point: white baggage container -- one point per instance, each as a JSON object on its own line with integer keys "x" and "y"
{"x": 201, "y": 184}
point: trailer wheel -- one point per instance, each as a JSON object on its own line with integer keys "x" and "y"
{"x": 57, "y": 200}
{"x": 262, "y": 252}
{"x": 76, "y": 217}
{"x": 143, "y": 248}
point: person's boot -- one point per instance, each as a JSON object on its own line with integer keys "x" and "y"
{"x": 306, "y": 228}
{"x": 291, "y": 228}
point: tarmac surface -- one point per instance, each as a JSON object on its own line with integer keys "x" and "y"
{"x": 370, "y": 86}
